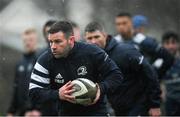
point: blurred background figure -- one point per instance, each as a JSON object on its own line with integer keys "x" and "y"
{"x": 140, "y": 23}
{"x": 160, "y": 58}
{"x": 77, "y": 31}
{"x": 132, "y": 30}
{"x": 171, "y": 41}
{"x": 20, "y": 99}
{"x": 46, "y": 28}
{"x": 124, "y": 27}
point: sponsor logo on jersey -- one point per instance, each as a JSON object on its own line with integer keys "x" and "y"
{"x": 59, "y": 79}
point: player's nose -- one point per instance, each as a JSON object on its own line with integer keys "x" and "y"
{"x": 53, "y": 46}
{"x": 93, "y": 41}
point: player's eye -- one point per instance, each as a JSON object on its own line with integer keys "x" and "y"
{"x": 57, "y": 41}
{"x": 96, "y": 37}
{"x": 118, "y": 24}
{"x": 50, "y": 42}
{"x": 124, "y": 23}
{"x": 89, "y": 38}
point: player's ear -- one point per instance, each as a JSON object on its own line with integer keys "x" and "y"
{"x": 104, "y": 34}
{"x": 72, "y": 39}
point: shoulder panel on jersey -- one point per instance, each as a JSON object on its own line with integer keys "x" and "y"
{"x": 89, "y": 49}
{"x": 135, "y": 57}
{"x": 139, "y": 38}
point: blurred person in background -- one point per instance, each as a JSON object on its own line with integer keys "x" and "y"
{"x": 140, "y": 23}
{"x": 20, "y": 99}
{"x": 140, "y": 92}
{"x": 171, "y": 41}
{"x": 45, "y": 30}
{"x": 132, "y": 30}
{"x": 77, "y": 31}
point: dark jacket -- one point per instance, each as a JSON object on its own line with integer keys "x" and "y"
{"x": 150, "y": 48}
{"x": 172, "y": 81}
{"x": 20, "y": 98}
{"x": 152, "y": 51}
{"x": 50, "y": 74}
{"x": 140, "y": 85}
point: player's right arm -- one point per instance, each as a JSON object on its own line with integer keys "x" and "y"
{"x": 39, "y": 87}
{"x": 39, "y": 90}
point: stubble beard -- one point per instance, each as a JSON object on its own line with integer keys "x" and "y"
{"x": 65, "y": 53}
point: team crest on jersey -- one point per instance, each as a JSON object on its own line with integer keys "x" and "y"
{"x": 59, "y": 78}
{"x": 82, "y": 70}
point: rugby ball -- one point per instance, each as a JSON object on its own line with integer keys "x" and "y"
{"x": 85, "y": 91}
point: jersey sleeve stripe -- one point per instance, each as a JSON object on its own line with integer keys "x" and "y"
{"x": 39, "y": 83}
{"x": 40, "y": 73}
{"x": 141, "y": 59}
{"x": 40, "y": 68}
{"x": 40, "y": 79}
{"x": 32, "y": 85}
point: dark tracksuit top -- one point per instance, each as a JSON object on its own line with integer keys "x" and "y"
{"x": 152, "y": 50}
{"x": 20, "y": 98}
{"x": 149, "y": 47}
{"x": 172, "y": 81}
{"x": 172, "y": 85}
{"x": 83, "y": 61}
{"x": 140, "y": 85}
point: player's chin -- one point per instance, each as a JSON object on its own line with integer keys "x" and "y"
{"x": 57, "y": 55}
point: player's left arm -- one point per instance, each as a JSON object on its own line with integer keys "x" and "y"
{"x": 154, "y": 91}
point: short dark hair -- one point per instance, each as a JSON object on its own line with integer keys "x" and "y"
{"x": 94, "y": 26}
{"x": 170, "y": 35}
{"x": 63, "y": 26}
{"x": 124, "y": 14}
{"x": 49, "y": 23}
